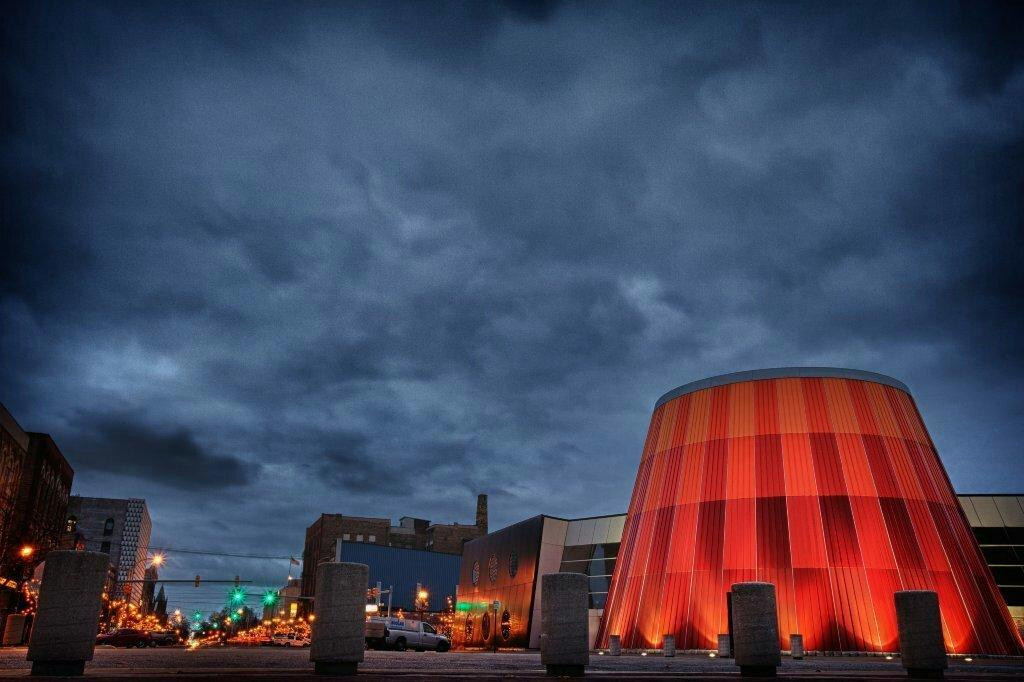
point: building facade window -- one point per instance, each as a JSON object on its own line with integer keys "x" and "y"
{"x": 476, "y": 572}
{"x": 105, "y": 547}
{"x": 513, "y": 564}
{"x": 108, "y": 527}
{"x": 492, "y": 568}
{"x": 346, "y": 537}
{"x": 373, "y": 538}
{"x": 72, "y": 524}
{"x": 359, "y": 538}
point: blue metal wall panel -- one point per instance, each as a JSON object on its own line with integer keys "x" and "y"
{"x": 403, "y": 568}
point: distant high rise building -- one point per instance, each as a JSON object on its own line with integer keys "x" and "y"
{"x": 160, "y": 605}
{"x": 149, "y": 590}
{"x": 120, "y": 528}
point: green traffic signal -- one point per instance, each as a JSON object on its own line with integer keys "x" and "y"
{"x": 269, "y": 598}
{"x": 237, "y": 595}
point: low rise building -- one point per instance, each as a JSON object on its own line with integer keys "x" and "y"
{"x": 506, "y": 566}
{"x": 997, "y": 522}
{"x": 325, "y": 535}
{"x": 287, "y": 606}
{"x": 407, "y": 573}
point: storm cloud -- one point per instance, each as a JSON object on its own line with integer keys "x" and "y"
{"x": 261, "y": 263}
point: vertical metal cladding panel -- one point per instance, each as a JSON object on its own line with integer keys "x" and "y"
{"x": 404, "y": 568}
{"x": 516, "y": 552}
{"x": 824, "y": 484}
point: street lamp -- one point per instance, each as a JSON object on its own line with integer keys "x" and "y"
{"x": 26, "y": 551}
{"x": 158, "y": 559}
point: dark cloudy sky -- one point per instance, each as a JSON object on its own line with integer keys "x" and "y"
{"x": 262, "y": 263}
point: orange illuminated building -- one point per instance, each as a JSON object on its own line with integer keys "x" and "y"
{"x": 821, "y": 481}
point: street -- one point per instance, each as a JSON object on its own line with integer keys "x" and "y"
{"x": 230, "y": 663}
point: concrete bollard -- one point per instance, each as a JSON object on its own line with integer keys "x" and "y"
{"x": 755, "y": 629}
{"x": 68, "y": 616}
{"x": 564, "y": 645}
{"x": 920, "y": 628}
{"x": 668, "y": 646}
{"x": 724, "y": 646}
{"x": 796, "y": 647}
{"x": 14, "y": 629}
{"x": 339, "y": 633}
{"x": 614, "y": 645}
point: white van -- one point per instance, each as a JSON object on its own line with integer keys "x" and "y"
{"x": 402, "y": 634}
{"x": 291, "y": 639}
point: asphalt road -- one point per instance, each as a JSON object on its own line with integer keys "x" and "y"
{"x": 231, "y": 663}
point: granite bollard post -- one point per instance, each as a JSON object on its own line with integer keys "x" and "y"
{"x": 14, "y": 629}
{"x": 614, "y": 645}
{"x": 724, "y": 646}
{"x": 68, "y": 616}
{"x": 755, "y": 629}
{"x": 796, "y": 647}
{"x": 339, "y": 632}
{"x": 564, "y": 645}
{"x": 920, "y": 629}
{"x": 668, "y": 646}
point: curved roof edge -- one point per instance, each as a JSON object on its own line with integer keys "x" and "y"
{"x": 780, "y": 373}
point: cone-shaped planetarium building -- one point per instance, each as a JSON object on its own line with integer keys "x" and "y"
{"x": 822, "y": 481}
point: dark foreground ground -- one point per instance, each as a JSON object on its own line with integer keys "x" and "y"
{"x": 228, "y": 664}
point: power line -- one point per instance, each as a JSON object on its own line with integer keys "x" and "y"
{"x": 206, "y": 552}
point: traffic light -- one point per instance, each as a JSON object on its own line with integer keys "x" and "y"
{"x": 269, "y": 598}
{"x": 238, "y": 581}
{"x": 237, "y": 595}
{"x": 196, "y": 583}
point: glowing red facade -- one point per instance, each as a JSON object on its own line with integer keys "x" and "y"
{"x": 823, "y": 482}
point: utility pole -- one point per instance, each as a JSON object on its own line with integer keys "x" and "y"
{"x": 497, "y": 605}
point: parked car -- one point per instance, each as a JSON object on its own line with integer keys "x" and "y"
{"x": 401, "y": 634}
{"x": 163, "y": 637}
{"x": 288, "y": 639}
{"x": 126, "y": 637}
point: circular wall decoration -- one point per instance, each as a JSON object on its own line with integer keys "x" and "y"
{"x": 492, "y": 567}
{"x": 485, "y": 626}
{"x": 476, "y": 572}
{"x": 513, "y": 564}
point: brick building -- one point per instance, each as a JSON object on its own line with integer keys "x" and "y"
{"x": 13, "y": 451}
{"x": 41, "y": 508}
{"x": 35, "y": 481}
{"x": 324, "y": 535}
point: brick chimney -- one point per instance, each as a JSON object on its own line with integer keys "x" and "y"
{"x": 481, "y": 513}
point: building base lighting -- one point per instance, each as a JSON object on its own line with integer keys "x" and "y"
{"x": 821, "y": 481}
